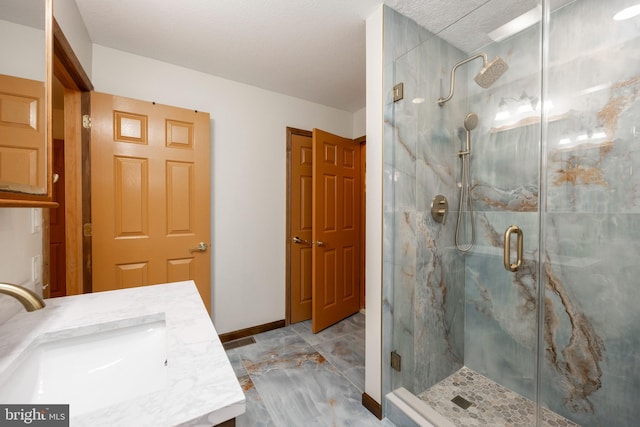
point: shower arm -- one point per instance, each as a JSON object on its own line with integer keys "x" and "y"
{"x": 483, "y": 55}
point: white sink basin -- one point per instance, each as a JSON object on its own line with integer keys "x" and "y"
{"x": 91, "y": 371}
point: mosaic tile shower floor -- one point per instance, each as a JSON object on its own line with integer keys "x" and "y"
{"x": 493, "y": 404}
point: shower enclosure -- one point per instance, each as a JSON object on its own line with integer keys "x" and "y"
{"x": 554, "y": 157}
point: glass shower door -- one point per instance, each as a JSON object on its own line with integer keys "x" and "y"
{"x": 501, "y": 301}
{"x": 590, "y": 365}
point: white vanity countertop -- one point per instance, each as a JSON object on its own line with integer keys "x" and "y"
{"x": 202, "y": 386}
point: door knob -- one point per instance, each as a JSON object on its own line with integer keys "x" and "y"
{"x": 319, "y": 243}
{"x": 202, "y": 247}
{"x": 296, "y": 239}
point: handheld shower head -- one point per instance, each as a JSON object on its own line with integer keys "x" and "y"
{"x": 491, "y": 72}
{"x": 471, "y": 121}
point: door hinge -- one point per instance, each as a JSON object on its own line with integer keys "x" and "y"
{"x": 87, "y": 230}
{"x": 86, "y": 121}
{"x": 398, "y": 92}
{"x": 396, "y": 361}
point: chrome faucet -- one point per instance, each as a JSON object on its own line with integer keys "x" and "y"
{"x": 29, "y": 299}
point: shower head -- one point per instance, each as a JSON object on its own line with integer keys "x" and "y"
{"x": 471, "y": 121}
{"x": 491, "y": 72}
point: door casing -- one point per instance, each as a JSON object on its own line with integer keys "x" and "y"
{"x": 69, "y": 71}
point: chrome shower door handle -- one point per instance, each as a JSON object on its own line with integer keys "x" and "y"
{"x": 507, "y": 248}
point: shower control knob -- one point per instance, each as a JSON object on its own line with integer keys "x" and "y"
{"x": 439, "y": 208}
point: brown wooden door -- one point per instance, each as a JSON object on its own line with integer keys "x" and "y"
{"x": 150, "y": 194}
{"x": 300, "y": 263}
{"x": 22, "y": 132}
{"x": 57, "y": 237}
{"x": 336, "y": 229}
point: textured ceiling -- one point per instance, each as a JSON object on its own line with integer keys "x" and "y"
{"x": 309, "y": 49}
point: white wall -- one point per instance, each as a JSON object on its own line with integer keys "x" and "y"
{"x": 248, "y": 136}
{"x": 20, "y": 243}
{"x": 374, "y": 126}
{"x": 360, "y": 122}
{"x": 22, "y": 51}
{"x": 68, "y": 16}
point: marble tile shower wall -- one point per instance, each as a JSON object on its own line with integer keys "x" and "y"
{"x": 450, "y": 309}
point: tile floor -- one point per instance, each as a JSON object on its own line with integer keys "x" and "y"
{"x": 292, "y": 377}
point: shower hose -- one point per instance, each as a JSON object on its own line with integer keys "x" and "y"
{"x": 465, "y": 202}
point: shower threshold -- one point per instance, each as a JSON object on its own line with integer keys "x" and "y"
{"x": 491, "y": 403}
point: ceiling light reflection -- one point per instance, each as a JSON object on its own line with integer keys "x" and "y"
{"x": 588, "y": 138}
{"x": 516, "y": 25}
{"x": 627, "y": 13}
{"x": 502, "y": 115}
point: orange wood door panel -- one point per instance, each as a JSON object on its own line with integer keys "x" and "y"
{"x": 22, "y": 134}
{"x": 336, "y": 229}
{"x": 300, "y": 226}
{"x": 150, "y": 194}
